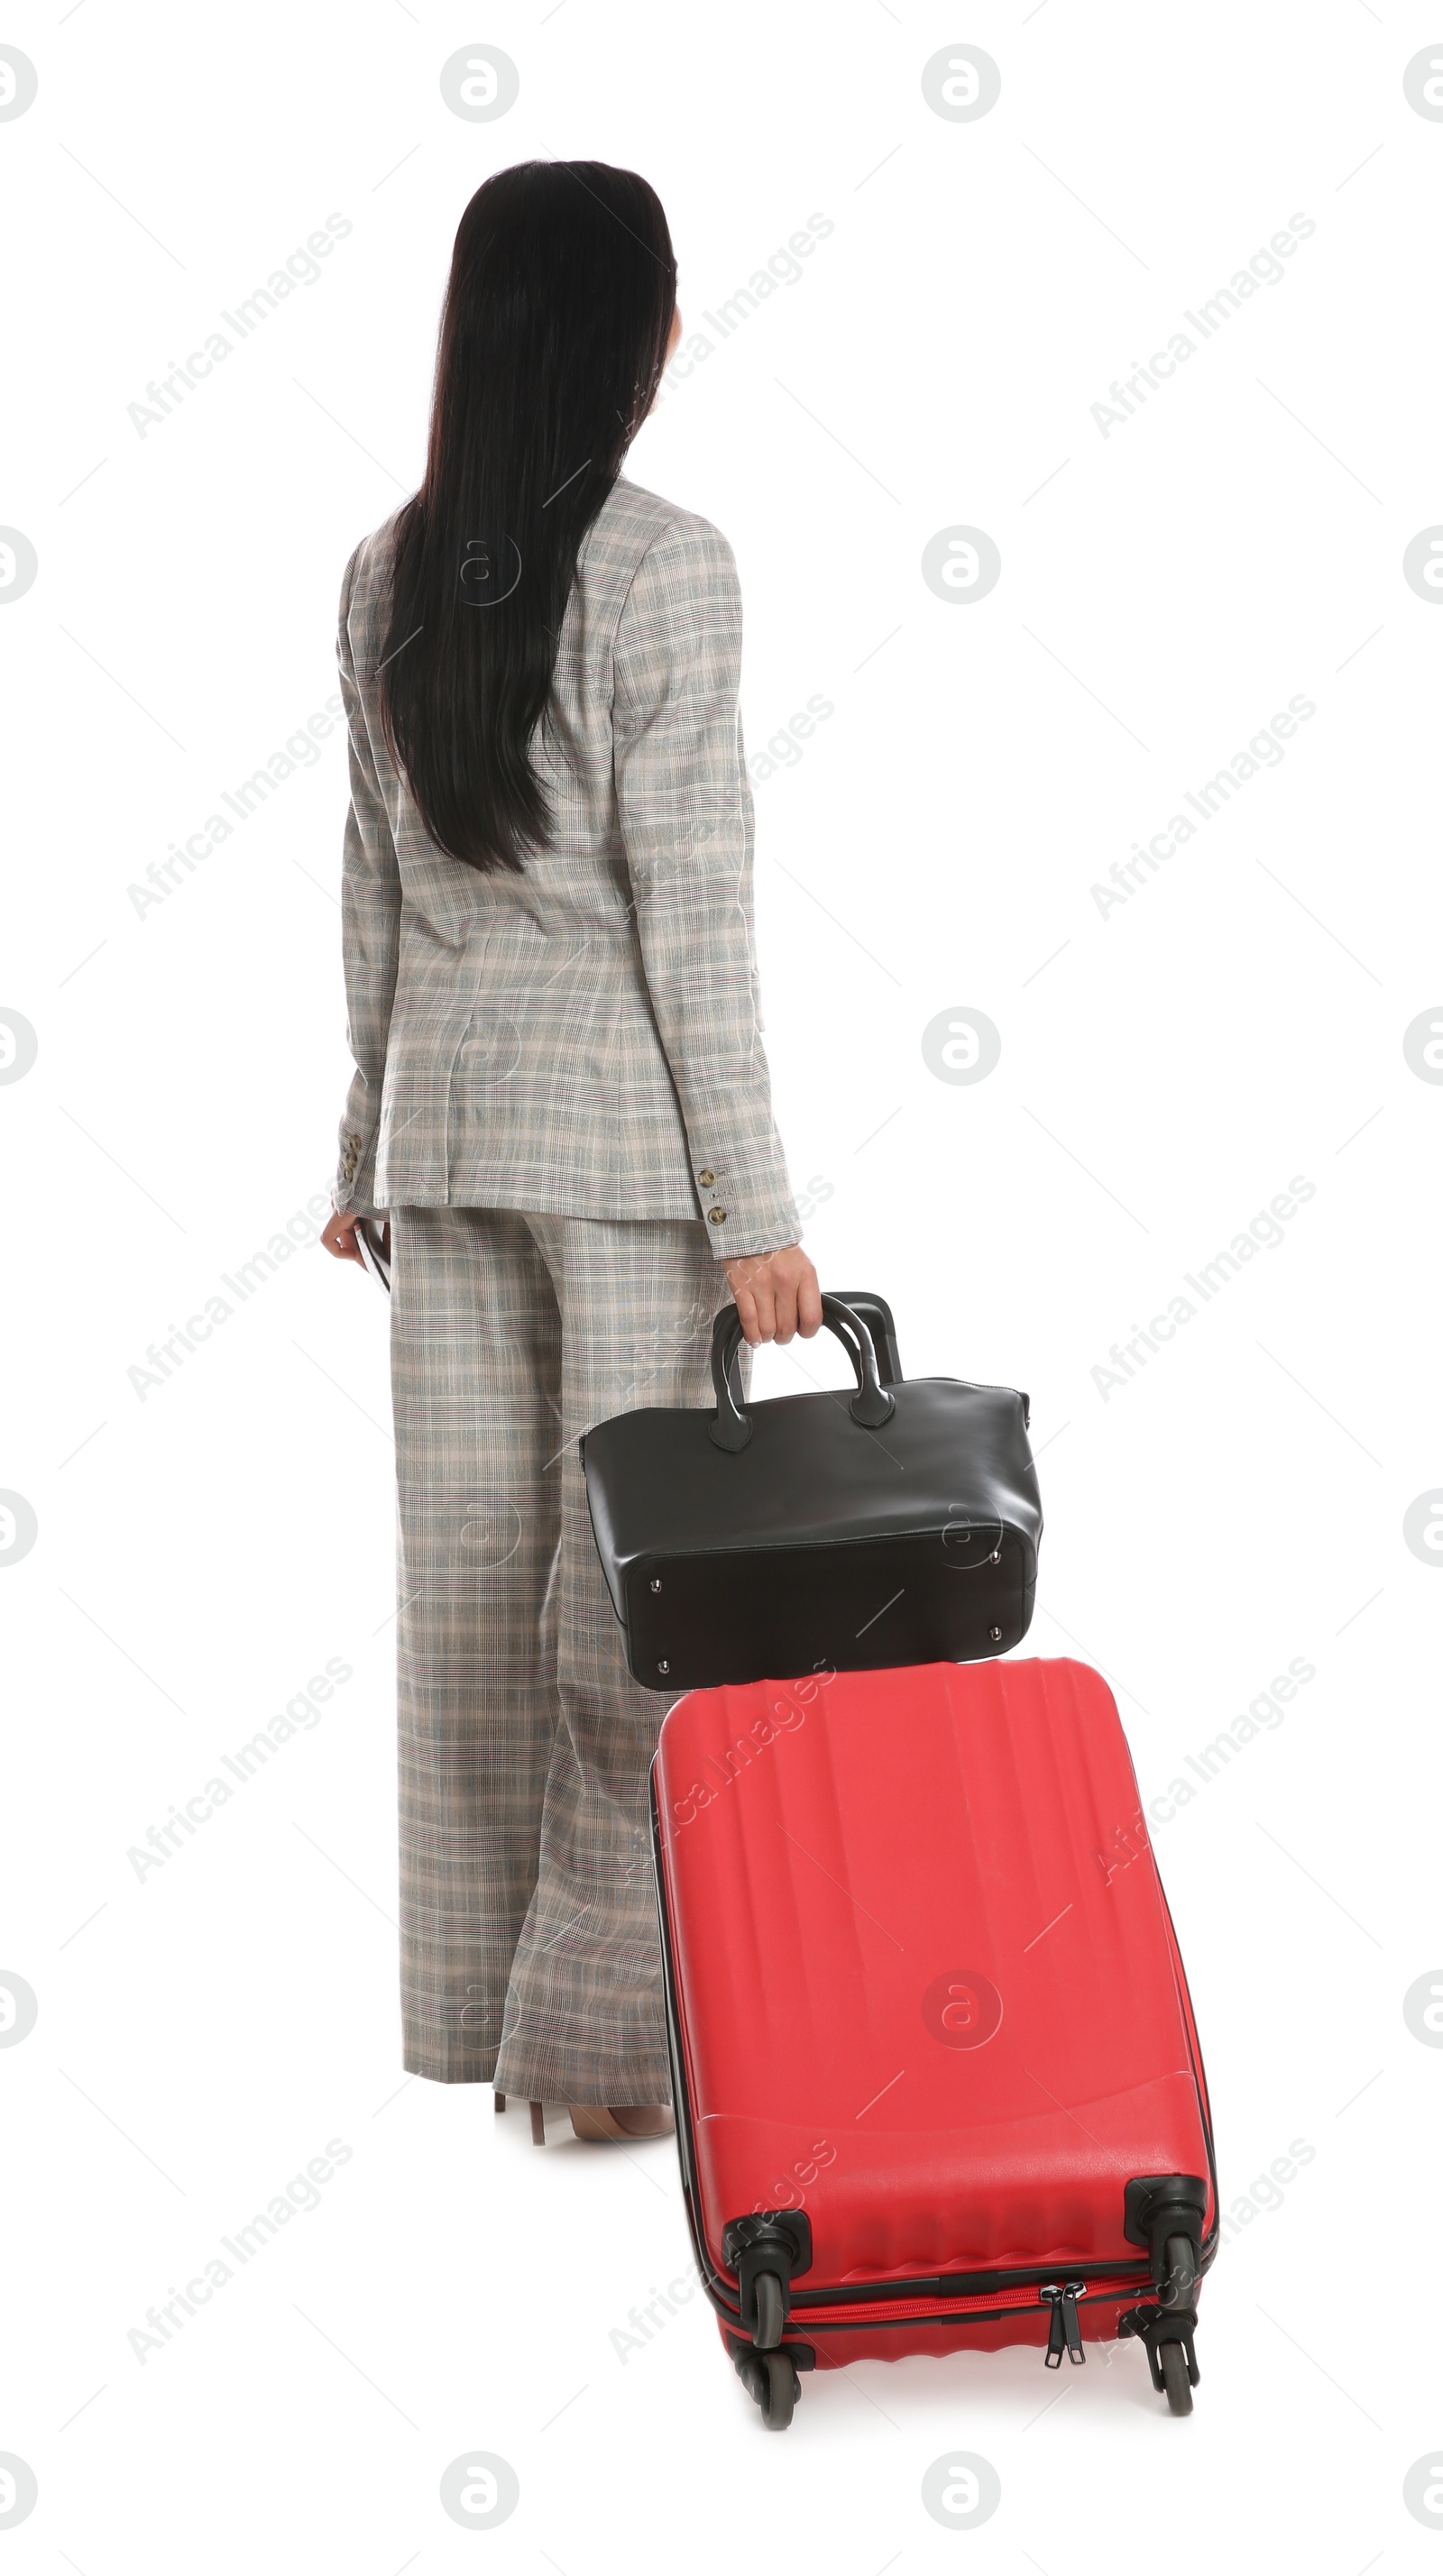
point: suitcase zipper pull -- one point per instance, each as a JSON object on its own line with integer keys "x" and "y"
{"x": 1064, "y": 2333}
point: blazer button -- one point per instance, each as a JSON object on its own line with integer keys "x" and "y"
{"x": 717, "y": 1216}
{"x": 707, "y": 1179}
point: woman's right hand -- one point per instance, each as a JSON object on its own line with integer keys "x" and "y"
{"x": 777, "y": 1294}
{"x": 338, "y": 1234}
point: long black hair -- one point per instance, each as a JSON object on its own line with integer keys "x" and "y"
{"x": 553, "y": 338}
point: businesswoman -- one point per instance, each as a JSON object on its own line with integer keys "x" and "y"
{"x": 561, "y": 1102}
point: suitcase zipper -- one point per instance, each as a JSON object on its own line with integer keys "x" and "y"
{"x": 964, "y": 2289}
{"x": 816, "y": 2320}
{"x": 884, "y": 2312}
{"x": 1064, "y": 2333}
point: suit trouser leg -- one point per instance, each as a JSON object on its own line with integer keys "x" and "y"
{"x": 475, "y": 1368}
{"x": 584, "y": 2017}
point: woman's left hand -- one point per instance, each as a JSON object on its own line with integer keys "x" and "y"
{"x": 777, "y": 1294}
{"x": 338, "y": 1234}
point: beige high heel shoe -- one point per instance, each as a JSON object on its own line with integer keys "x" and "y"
{"x": 622, "y": 2120}
{"x": 595, "y": 2122}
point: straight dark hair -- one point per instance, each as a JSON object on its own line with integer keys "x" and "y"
{"x": 553, "y": 338}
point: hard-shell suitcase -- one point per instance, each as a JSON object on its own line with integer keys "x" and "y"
{"x": 936, "y": 2076}
{"x": 893, "y": 1524}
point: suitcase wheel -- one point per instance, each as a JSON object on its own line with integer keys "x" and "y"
{"x": 1173, "y": 2361}
{"x": 771, "y": 2379}
{"x": 781, "y": 2391}
{"x": 771, "y": 2315}
{"x": 1180, "y": 2273}
{"x": 1167, "y": 2336}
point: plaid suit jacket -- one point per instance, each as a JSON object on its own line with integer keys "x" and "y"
{"x": 584, "y": 1038}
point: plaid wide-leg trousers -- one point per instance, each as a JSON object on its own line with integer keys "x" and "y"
{"x": 529, "y": 1952}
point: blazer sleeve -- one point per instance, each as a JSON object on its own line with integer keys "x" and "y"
{"x": 685, "y": 808}
{"x": 370, "y": 939}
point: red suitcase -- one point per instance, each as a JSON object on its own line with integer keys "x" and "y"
{"x": 936, "y": 2076}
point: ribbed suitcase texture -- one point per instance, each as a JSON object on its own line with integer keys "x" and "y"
{"x": 925, "y": 1997}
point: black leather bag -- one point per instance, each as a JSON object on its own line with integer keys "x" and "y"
{"x": 895, "y": 1525}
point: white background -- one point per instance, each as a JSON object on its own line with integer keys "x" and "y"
{"x": 207, "y": 1544}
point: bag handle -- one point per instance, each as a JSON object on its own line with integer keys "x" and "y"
{"x": 731, "y": 1426}
{"x": 877, "y": 1315}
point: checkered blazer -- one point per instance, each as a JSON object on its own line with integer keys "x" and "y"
{"x": 583, "y": 1038}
